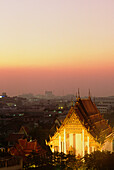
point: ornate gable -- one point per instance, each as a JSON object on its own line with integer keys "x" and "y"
{"x": 83, "y": 129}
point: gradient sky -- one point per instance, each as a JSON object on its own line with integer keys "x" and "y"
{"x": 57, "y": 45}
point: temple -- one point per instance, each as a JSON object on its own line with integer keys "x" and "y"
{"x": 24, "y": 148}
{"x": 83, "y": 130}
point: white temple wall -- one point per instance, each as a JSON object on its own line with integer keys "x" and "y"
{"x": 71, "y": 139}
{"x": 78, "y": 145}
{"x": 108, "y": 146}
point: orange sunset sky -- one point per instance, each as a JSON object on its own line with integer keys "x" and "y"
{"x": 58, "y": 45}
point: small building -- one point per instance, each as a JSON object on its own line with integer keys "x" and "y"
{"x": 103, "y": 109}
{"x": 84, "y": 130}
{"x": 13, "y": 137}
{"x": 24, "y": 148}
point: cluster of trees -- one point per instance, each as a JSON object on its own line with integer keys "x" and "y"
{"x": 99, "y": 160}
{"x": 53, "y": 161}
{"x": 96, "y": 161}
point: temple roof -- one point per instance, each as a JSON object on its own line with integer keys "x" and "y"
{"x": 23, "y": 148}
{"x": 92, "y": 119}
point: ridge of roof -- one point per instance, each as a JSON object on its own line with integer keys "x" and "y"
{"x": 90, "y": 115}
{"x": 90, "y": 118}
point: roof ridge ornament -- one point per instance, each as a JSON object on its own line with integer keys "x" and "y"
{"x": 89, "y": 94}
{"x": 78, "y": 93}
{"x": 76, "y": 96}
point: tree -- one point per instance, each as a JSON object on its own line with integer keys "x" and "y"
{"x": 99, "y": 160}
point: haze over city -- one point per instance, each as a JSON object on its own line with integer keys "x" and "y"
{"x": 57, "y": 45}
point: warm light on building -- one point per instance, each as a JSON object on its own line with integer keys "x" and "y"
{"x": 83, "y": 131}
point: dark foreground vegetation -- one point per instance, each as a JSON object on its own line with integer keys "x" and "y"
{"x": 58, "y": 161}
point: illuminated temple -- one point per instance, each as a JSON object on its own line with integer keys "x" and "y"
{"x": 84, "y": 130}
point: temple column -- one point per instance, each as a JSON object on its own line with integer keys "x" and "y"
{"x": 59, "y": 143}
{"x": 88, "y": 145}
{"x": 64, "y": 141}
{"x": 71, "y": 139}
{"x": 92, "y": 148}
{"x": 62, "y": 146}
{"x": 75, "y": 144}
{"x": 53, "y": 150}
{"x": 83, "y": 149}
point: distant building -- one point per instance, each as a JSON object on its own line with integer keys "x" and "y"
{"x": 83, "y": 131}
{"x": 49, "y": 94}
{"x": 104, "y": 104}
{"x": 3, "y": 95}
{"x": 105, "y": 100}
{"x": 24, "y": 148}
{"x": 103, "y": 109}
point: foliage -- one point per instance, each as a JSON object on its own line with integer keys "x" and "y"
{"x": 58, "y": 161}
{"x": 99, "y": 160}
{"x": 55, "y": 161}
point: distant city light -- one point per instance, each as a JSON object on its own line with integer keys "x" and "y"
{"x": 21, "y": 114}
{"x": 2, "y": 96}
{"x": 60, "y": 107}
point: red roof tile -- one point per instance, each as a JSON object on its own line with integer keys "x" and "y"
{"x": 90, "y": 115}
{"x": 23, "y": 148}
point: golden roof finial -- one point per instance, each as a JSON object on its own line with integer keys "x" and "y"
{"x": 89, "y": 94}
{"x": 78, "y": 93}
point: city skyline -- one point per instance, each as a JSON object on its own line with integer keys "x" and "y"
{"x": 57, "y": 45}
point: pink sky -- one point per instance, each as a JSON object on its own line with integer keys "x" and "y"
{"x": 57, "y": 45}
{"x": 60, "y": 81}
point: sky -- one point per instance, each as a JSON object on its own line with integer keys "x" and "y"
{"x": 58, "y": 45}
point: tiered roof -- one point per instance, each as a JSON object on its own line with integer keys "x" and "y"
{"x": 24, "y": 148}
{"x": 91, "y": 118}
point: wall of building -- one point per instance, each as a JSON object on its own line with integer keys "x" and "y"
{"x": 74, "y": 137}
{"x": 108, "y": 146}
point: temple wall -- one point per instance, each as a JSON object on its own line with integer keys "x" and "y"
{"x": 108, "y": 146}
{"x": 76, "y": 143}
{"x": 73, "y": 138}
